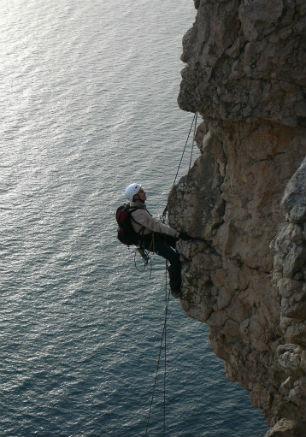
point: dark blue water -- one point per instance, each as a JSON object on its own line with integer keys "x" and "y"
{"x": 88, "y": 105}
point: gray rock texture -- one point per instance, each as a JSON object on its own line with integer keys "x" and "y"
{"x": 244, "y": 200}
{"x": 238, "y": 45}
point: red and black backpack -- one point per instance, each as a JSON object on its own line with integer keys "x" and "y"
{"x": 125, "y": 232}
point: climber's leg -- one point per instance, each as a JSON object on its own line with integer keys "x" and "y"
{"x": 170, "y": 253}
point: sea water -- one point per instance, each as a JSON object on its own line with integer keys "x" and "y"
{"x": 88, "y": 105}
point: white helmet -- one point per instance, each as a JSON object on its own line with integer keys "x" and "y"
{"x": 131, "y": 190}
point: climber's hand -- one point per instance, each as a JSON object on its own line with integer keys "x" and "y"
{"x": 184, "y": 236}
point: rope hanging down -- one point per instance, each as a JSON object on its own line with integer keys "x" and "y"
{"x": 193, "y": 128}
{"x": 163, "y": 340}
{"x": 162, "y": 347}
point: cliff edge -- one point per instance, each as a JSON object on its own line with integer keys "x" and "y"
{"x": 245, "y": 197}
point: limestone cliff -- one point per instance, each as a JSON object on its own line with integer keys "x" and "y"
{"x": 245, "y": 197}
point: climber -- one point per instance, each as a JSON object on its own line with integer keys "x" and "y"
{"x": 156, "y": 236}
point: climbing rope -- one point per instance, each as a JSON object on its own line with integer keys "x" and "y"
{"x": 162, "y": 347}
{"x": 167, "y": 299}
{"x": 193, "y": 127}
{"x": 163, "y": 340}
{"x": 193, "y": 141}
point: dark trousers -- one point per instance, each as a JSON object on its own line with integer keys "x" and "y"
{"x": 164, "y": 246}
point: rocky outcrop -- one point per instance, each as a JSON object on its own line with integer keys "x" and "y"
{"x": 289, "y": 278}
{"x": 246, "y": 60}
{"x": 244, "y": 200}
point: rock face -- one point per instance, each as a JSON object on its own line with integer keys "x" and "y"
{"x": 244, "y": 200}
{"x": 240, "y": 45}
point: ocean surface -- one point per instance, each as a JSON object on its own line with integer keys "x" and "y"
{"x": 88, "y": 104}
